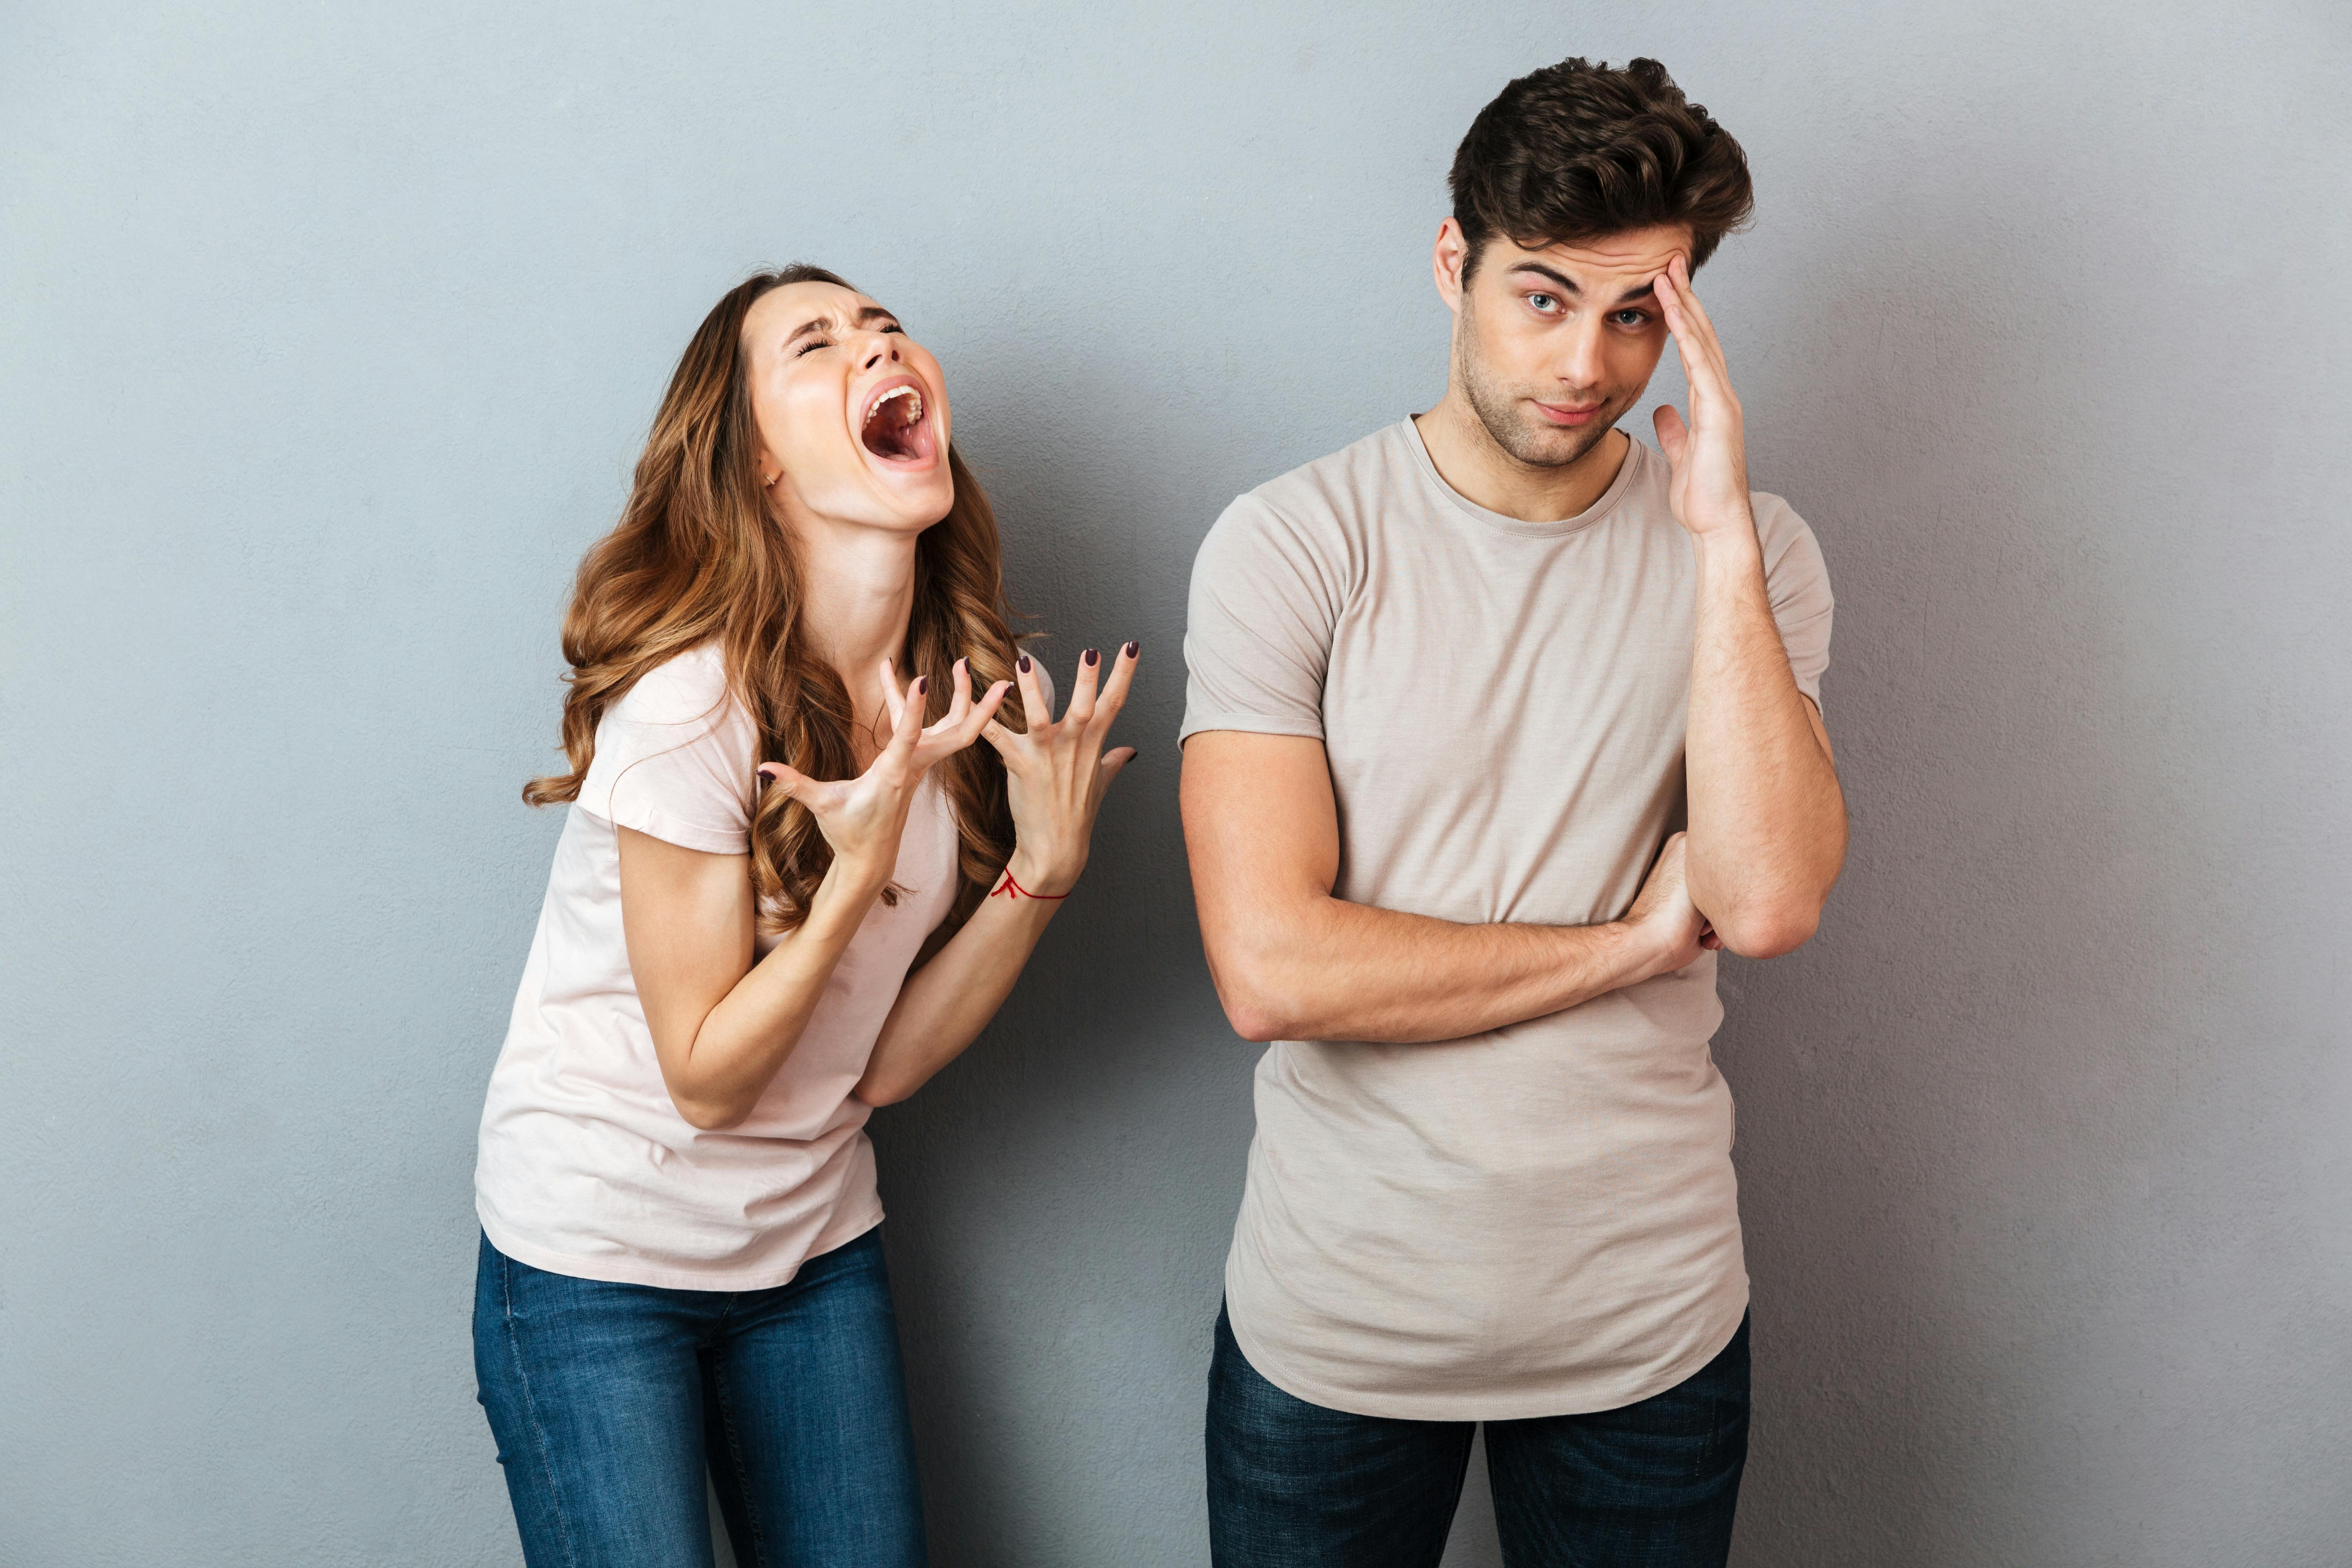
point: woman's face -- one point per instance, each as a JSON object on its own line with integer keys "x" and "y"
{"x": 852, "y": 414}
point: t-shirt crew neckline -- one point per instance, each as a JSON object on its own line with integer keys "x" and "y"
{"x": 1636, "y": 456}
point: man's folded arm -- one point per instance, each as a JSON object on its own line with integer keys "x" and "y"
{"x": 1293, "y": 963}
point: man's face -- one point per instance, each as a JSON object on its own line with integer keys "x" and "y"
{"x": 1552, "y": 347}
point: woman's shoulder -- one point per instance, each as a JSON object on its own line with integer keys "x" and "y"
{"x": 690, "y": 687}
{"x": 674, "y": 757}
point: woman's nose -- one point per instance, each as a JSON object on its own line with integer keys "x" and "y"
{"x": 883, "y": 349}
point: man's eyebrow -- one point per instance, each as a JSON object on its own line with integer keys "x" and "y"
{"x": 1568, "y": 286}
{"x": 816, "y": 324}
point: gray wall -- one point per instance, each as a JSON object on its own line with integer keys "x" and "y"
{"x": 328, "y": 336}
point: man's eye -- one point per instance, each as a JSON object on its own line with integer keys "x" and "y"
{"x": 1541, "y": 301}
{"x": 1631, "y": 317}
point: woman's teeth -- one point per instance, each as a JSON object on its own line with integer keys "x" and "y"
{"x": 890, "y": 423}
{"x": 907, "y": 415}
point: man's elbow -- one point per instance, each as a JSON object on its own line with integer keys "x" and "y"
{"x": 1252, "y": 1002}
{"x": 1770, "y": 932}
{"x": 1258, "y": 1024}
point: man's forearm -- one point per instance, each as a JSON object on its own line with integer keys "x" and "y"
{"x": 1336, "y": 970}
{"x": 1766, "y": 819}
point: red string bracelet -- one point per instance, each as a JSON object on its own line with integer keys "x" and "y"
{"x": 1016, "y": 892}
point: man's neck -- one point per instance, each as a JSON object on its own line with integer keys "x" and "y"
{"x": 1468, "y": 459}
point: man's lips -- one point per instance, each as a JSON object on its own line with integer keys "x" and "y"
{"x": 1560, "y": 414}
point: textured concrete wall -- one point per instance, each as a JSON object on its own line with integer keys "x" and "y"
{"x": 328, "y": 336}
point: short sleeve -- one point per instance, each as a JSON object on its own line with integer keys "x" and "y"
{"x": 1796, "y": 581}
{"x": 674, "y": 758}
{"x": 1257, "y": 632}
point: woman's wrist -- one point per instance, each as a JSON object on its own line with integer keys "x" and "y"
{"x": 1036, "y": 877}
{"x": 851, "y": 887}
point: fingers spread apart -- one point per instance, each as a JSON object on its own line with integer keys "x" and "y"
{"x": 966, "y": 719}
{"x": 1101, "y": 709}
{"x": 1095, "y": 701}
{"x": 906, "y": 716}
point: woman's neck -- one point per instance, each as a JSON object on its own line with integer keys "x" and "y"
{"x": 858, "y": 592}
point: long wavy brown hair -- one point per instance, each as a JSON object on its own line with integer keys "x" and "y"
{"x": 699, "y": 554}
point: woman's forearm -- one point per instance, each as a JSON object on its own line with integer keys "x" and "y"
{"x": 1055, "y": 771}
{"x": 734, "y": 1051}
{"x": 947, "y": 1002}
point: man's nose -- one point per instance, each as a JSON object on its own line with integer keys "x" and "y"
{"x": 1581, "y": 365}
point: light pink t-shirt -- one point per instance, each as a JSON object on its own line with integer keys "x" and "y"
{"x": 585, "y": 1166}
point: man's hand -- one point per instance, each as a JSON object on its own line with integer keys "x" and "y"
{"x": 1709, "y": 492}
{"x": 1663, "y": 920}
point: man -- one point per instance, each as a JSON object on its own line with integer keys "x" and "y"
{"x": 1454, "y": 693}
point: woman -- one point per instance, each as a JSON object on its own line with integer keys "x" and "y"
{"x": 680, "y": 1265}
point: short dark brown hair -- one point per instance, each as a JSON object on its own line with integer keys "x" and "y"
{"x": 1577, "y": 150}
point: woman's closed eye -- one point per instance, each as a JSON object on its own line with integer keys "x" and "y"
{"x": 816, "y": 343}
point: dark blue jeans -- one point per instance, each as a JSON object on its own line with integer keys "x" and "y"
{"x": 1293, "y": 1485}
{"x": 610, "y": 1401}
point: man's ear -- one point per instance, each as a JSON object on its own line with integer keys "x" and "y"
{"x": 1445, "y": 263}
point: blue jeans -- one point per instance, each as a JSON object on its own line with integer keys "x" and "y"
{"x": 610, "y": 1401}
{"x": 1293, "y": 1485}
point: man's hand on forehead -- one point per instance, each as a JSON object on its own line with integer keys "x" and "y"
{"x": 1708, "y": 456}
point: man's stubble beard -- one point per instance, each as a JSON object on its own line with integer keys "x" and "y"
{"x": 1537, "y": 445}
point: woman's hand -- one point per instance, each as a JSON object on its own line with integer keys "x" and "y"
{"x": 1056, "y": 772}
{"x": 863, "y": 818}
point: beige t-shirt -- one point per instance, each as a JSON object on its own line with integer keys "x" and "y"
{"x": 1543, "y": 1219}
{"x": 585, "y": 1166}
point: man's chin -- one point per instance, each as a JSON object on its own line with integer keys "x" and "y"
{"x": 1541, "y": 445}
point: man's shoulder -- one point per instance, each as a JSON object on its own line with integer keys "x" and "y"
{"x": 1338, "y": 488}
{"x": 1308, "y": 527}
{"x": 1773, "y": 513}
{"x": 1785, "y": 536}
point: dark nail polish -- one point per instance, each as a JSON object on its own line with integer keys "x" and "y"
{"x": 1091, "y": 657}
{"x": 922, "y": 686}
{"x": 1133, "y": 649}
{"x": 1024, "y": 664}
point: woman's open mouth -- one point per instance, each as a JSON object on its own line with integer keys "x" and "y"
{"x": 897, "y": 428}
